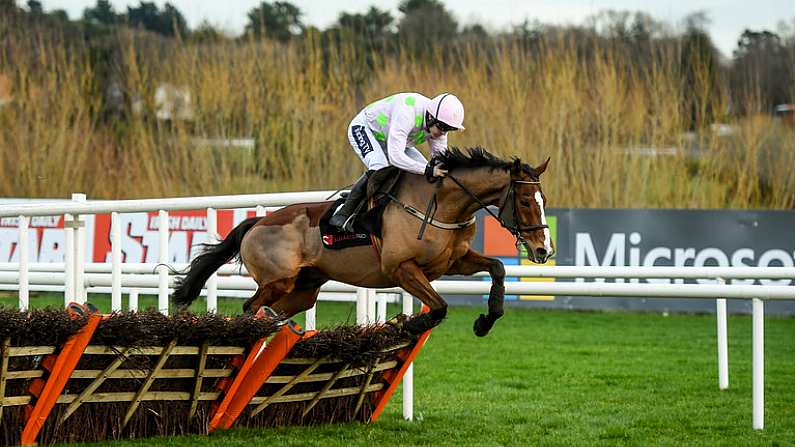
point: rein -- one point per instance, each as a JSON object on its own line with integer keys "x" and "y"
{"x": 516, "y": 228}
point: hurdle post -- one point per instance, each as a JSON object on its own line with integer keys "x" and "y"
{"x": 256, "y": 370}
{"x": 393, "y": 377}
{"x": 51, "y": 389}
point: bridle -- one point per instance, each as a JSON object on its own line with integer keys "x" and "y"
{"x": 513, "y": 225}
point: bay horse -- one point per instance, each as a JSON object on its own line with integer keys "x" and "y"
{"x": 284, "y": 254}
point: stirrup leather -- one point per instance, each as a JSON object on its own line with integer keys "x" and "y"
{"x": 348, "y": 225}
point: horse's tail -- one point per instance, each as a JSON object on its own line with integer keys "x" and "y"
{"x": 202, "y": 267}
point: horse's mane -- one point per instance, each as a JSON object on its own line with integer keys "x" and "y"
{"x": 477, "y": 157}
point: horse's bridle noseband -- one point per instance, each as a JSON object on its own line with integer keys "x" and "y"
{"x": 515, "y": 227}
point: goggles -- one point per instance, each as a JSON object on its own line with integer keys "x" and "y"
{"x": 444, "y": 127}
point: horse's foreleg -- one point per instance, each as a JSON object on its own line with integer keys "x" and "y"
{"x": 411, "y": 278}
{"x": 473, "y": 262}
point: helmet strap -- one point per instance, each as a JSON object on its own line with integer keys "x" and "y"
{"x": 439, "y": 106}
{"x": 429, "y": 121}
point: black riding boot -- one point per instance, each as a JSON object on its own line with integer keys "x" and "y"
{"x": 343, "y": 218}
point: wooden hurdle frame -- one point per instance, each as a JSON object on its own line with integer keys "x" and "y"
{"x": 236, "y": 385}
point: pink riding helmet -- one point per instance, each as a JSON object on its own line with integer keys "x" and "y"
{"x": 448, "y": 109}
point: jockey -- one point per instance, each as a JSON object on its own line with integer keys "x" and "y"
{"x": 399, "y": 123}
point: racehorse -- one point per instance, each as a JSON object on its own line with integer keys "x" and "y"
{"x": 284, "y": 254}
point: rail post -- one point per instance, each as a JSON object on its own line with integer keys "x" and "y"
{"x": 23, "y": 247}
{"x": 381, "y": 307}
{"x": 371, "y": 298}
{"x": 310, "y": 318}
{"x": 361, "y": 305}
{"x": 69, "y": 259}
{"x": 162, "y": 288}
{"x": 132, "y": 304}
{"x": 723, "y": 341}
{"x": 758, "y": 363}
{"x": 115, "y": 238}
{"x": 212, "y": 283}
{"x": 408, "y": 378}
{"x": 80, "y": 252}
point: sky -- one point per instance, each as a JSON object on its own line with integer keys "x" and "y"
{"x": 728, "y": 17}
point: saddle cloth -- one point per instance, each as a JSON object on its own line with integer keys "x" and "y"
{"x": 367, "y": 225}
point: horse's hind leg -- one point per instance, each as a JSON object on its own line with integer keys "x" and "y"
{"x": 288, "y": 304}
{"x": 269, "y": 294}
{"x": 304, "y": 294}
{"x": 272, "y": 256}
{"x": 262, "y": 297}
{"x": 300, "y": 300}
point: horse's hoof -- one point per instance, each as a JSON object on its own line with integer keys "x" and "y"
{"x": 412, "y": 328}
{"x": 417, "y": 325}
{"x": 267, "y": 312}
{"x": 295, "y": 328}
{"x": 76, "y": 309}
{"x": 482, "y": 326}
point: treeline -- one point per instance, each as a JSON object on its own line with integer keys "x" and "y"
{"x": 135, "y": 103}
{"x": 761, "y": 68}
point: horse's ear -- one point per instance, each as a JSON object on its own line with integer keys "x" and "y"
{"x": 517, "y": 166}
{"x": 542, "y": 167}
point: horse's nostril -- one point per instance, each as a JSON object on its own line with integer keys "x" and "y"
{"x": 541, "y": 253}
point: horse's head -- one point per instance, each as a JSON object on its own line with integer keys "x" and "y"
{"x": 521, "y": 201}
{"x": 522, "y": 211}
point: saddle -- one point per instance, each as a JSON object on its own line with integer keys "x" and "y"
{"x": 367, "y": 225}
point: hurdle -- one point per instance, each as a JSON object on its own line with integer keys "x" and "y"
{"x": 254, "y": 372}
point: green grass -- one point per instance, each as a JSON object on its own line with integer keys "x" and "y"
{"x": 563, "y": 378}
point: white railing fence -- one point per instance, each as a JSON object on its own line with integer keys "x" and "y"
{"x": 75, "y": 277}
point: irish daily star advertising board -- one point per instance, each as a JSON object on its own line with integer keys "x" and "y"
{"x": 188, "y": 229}
{"x": 605, "y": 237}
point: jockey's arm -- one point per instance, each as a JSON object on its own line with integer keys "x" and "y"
{"x": 438, "y": 145}
{"x": 417, "y": 155}
{"x": 402, "y": 123}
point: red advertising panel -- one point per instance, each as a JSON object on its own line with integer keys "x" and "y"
{"x": 140, "y": 239}
{"x": 46, "y": 239}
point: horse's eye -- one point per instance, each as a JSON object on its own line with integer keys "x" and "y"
{"x": 524, "y": 203}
